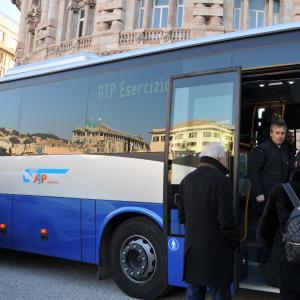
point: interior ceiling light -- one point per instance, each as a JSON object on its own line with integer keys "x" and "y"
{"x": 275, "y": 83}
{"x": 261, "y": 84}
{"x": 291, "y": 82}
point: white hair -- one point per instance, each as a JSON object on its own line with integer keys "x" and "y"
{"x": 214, "y": 150}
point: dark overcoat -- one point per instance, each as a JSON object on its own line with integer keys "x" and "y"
{"x": 278, "y": 272}
{"x": 206, "y": 209}
{"x": 269, "y": 165}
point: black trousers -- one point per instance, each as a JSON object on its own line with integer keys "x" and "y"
{"x": 198, "y": 292}
{"x": 289, "y": 295}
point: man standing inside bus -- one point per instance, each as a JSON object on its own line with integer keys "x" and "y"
{"x": 206, "y": 210}
{"x": 271, "y": 163}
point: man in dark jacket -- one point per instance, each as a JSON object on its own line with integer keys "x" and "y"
{"x": 270, "y": 163}
{"x": 206, "y": 209}
{"x": 279, "y": 272}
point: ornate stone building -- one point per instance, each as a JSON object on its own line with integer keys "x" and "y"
{"x": 50, "y": 28}
{"x": 8, "y": 43}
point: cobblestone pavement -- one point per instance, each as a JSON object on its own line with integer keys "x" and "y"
{"x": 34, "y": 277}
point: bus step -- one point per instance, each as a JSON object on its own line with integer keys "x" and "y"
{"x": 257, "y": 283}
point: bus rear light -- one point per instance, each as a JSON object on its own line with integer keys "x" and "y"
{"x": 44, "y": 234}
{"x": 3, "y": 228}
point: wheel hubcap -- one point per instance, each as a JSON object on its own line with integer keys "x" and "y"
{"x": 138, "y": 259}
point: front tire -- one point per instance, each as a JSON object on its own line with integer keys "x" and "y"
{"x": 138, "y": 259}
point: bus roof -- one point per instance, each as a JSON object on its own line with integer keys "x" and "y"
{"x": 83, "y": 59}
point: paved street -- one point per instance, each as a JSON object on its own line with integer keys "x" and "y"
{"x": 34, "y": 277}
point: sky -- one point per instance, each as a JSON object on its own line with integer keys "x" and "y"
{"x": 7, "y": 8}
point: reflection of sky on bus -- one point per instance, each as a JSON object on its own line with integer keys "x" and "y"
{"x": 10, "y": 106}
{"x": 55, "y": 108}
{"x": 136, "y": 102}
{"x": 212, "y": 101}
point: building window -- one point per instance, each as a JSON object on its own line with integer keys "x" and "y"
{"x": 81, "y": 14}
{"x": 179, "y": 136}
{"x": 257, "y": 13}
{"x": 207, "y": 134}
{"x": 141, "y": 8}
{"x": 179, "y": 14}
{"x": 160, "y": 13}
{"x": 162, "y": 138}
{"x": 155, "y": 139}
{"x": 276, "y": 11}
{"x": 237, "y": 14}
{"x": 193, "y": 135}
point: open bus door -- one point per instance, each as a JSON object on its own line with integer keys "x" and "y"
{"x": 203, "y": 107}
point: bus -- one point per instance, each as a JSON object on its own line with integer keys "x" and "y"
{"x": 93, "y": 149}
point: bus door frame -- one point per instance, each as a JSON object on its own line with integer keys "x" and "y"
{"x": 166, "y": 212}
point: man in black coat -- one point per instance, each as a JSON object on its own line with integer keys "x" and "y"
{"x": 278, "y": 271}
{"x": 271, "y": 163}
{"x": 206, "y": 210}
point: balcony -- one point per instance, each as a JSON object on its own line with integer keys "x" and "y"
{"x": 153, "y": 36}
{"x": 69, "y": 46}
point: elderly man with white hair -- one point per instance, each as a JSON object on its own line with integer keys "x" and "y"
{"x": 206, "y": 210}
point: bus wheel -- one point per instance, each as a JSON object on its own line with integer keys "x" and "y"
{"x": 138, "y": 259}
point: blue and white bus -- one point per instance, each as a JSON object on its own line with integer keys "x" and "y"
{"x": 93, "y": 149}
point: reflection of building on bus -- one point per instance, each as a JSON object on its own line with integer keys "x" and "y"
{"x": 102, "y": 139}
{"x": 192, "y": 136}
{"x": 16, "y": 143}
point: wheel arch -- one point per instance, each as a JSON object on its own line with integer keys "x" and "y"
{"x": 110, "y": 223}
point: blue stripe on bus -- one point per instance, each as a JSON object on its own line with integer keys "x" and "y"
{"x": 74, "y": 225}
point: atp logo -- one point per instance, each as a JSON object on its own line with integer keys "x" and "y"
{"x": 41, "y": 176}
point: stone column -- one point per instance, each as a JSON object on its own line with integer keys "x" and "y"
{"x": 228, "y": 15}
{"x": 52, "y": 21}
{"x": 172, "y": 13}
{"x": 269, "y": 9}
{"x": 245, "y": 14}
{"x": 53, "y": 10}
{"x": 89, "y": 6}
{"x": 287, "y": 10}
{"x": 148, "y": 13}
{"x": 29, "y": 41}
{"x": 61, "y": 21}
{"x": 70, "y": 23}
{"x": 86, "y": 19}
{"x": 22, "y": 26}
{"x": 45, "y": 7}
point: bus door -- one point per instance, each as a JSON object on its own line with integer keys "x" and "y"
{"x": 203, "y": 108}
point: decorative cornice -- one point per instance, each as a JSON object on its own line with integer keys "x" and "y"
{"x": 73, "y": 6}
{"x": 33, "y": 18}
{"x": 90, "y": 3}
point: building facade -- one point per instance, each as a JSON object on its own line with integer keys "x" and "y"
{"x": 192, "y": 136}
{"x": 8, "y": 43}
{"x": 51, "y": 28}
